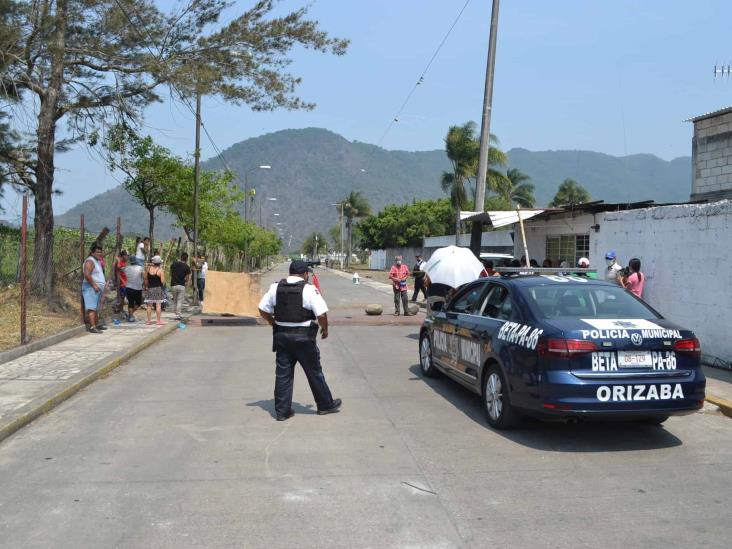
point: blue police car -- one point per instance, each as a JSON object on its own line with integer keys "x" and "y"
{"x": 565, "y": 347}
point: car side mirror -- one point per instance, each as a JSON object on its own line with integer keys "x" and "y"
{"x": 438, "y": 306}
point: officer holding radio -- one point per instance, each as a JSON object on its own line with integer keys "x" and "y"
{"x": 295, "y": 309}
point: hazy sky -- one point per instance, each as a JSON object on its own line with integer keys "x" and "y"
{"x": 614, "y": 76}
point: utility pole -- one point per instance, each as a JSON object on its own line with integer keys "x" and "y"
{"x": 196, "y": 176}
{"x": 485, "y": 131}
{"x": 342, "y": 236}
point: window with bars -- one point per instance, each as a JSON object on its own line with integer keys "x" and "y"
{"x": 567, "y": 247}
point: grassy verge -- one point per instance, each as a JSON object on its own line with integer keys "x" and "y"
{"x": 43, "y": 318}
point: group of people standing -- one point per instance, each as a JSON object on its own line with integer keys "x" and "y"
{"x": 137, "y": 281}
{"x": 631, "y": 278}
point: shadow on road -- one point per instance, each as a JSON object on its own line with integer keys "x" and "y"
{"x": 557, "y": 436}
{"x": 412, "y": 336}
{"x": 269, "y": 406}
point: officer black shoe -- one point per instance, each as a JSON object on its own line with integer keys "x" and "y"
{"x": 333, "y": 409}
{"x": 287, "y": 416}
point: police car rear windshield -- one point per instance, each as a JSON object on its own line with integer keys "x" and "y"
{"x": 582, "y": 301}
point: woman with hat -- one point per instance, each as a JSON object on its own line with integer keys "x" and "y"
{"x": 154, "y": 292}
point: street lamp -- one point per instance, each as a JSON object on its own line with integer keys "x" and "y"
{"x": 260, "y": 209}
{"x": 246, "y": 187}
{"x": 340, "y": 222}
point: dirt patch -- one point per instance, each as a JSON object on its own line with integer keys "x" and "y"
{"x": 43, "y": 318}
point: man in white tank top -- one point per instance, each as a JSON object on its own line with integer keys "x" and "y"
{"x": 92, "y": 287}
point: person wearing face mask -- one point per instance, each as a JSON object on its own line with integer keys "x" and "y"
{"x": 612, "y": 273}
{"x": 295, "y": 309}
{"x": 398, "y": 275}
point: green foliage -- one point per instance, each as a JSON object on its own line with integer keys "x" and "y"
{"x": 264, "y": 244}
{"x": 570, "y": 193}
{"x": 515, "y": 189}
{"x": 315, "y": 241}
{"x": 462, "y": 147}
{"x": 217, "y": 198}
{"x": 400, "y": 225}
{"x": 152, "y": 172}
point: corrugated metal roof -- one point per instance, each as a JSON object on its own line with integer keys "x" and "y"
{"x": 725, "y": 110}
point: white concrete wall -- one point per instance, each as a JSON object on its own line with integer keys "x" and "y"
{"x": 686, "y": 255}
{"x": 564, "y": 224}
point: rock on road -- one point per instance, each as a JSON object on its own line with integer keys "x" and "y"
{"x": 178, "y": 448}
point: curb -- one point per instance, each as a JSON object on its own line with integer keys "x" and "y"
{"x": 46, "y": 403}
{"x": 724, "y": 405}
{"x": 32, "y": 347}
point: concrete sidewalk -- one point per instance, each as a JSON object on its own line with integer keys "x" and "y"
{"x": 34, "y": 383}
{"x": 719, "y": 389}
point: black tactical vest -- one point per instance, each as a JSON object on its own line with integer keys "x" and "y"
{"x": 288, "y": 305}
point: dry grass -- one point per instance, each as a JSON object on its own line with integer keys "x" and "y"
{"x": 43, "y": 318}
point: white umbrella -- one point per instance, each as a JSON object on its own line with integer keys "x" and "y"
{"x": 453, "y": 266}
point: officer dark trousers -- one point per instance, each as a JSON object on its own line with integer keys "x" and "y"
{"x": 291, "y": 347}
{"x": 419, "y": 285}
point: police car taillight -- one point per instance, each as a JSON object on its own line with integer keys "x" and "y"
{"x": 690, "y": 345}
{"x": 564, "y": 348}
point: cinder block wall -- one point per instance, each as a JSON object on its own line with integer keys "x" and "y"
{"x": 712, "y": 156}
{"x": 686, "y": 255}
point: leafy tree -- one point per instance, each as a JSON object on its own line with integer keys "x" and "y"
{"x": 264, "y": 244}
{"x": 152, "y": 172}
{"x": 570, "y": 193}
{"x": 356, "y": 206}
{"x": 217, "y": 197}
{"x": 92, "y": 62}
{"x": 463, "y": 149}
{"x": 400, "y": 225}
{"x": 516, "y": 189}
{"x": 314, "y": 243}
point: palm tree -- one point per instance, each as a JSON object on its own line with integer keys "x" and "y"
{"x": 516, "y": 189}
{"x": 355, "y": 206}
{"x": 570, "y": 193}
{"x": 463, "y": 148}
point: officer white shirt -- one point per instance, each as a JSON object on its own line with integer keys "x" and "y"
{"x": 311, "y": 300}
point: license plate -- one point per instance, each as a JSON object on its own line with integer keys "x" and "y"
{"x": 635, "y": 359}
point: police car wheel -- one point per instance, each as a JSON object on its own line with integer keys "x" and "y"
{"x": 496, "y": 405}
{"x": 425, "y": 357}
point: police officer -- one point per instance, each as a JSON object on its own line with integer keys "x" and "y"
{"x": 292, "y": 307}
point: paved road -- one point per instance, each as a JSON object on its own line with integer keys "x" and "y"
{"x": 178, "y": 448}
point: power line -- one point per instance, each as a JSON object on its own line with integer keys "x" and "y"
{"x": 395, "y": 118}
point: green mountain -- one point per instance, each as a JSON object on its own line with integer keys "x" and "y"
{"x": 313, "y": 168}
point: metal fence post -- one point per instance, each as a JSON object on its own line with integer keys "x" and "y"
{"x": 24, "y": 272}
